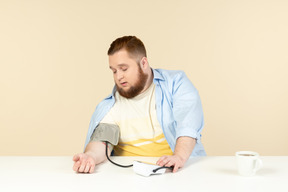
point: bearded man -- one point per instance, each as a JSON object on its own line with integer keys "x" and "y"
{"x": 158, "y": 112}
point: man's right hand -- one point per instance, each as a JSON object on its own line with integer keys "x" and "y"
{"x": 83, "y": 163}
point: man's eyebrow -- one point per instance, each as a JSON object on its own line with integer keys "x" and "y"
{"x": 119, "y": 65}
{"x": 122, "y": 65}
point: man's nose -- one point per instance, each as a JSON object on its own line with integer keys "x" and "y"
{"x": 119, "y": 75}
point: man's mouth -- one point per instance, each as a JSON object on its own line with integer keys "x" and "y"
{"x": 124, "y": 84}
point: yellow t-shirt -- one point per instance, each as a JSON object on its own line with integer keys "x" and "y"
{"x": 140, "y": 131}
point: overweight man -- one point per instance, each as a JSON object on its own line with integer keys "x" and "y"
{"x": 158, "y": 112}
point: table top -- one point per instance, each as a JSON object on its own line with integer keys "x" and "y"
{"x": 49, "y": 173}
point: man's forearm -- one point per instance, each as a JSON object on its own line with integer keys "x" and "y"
{"x": 184, "y": 147}
{"x": 97, "y": 150}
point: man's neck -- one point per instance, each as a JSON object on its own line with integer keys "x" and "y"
{"x": 149, "y": 80}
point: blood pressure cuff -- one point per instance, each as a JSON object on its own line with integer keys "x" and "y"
{"x": 106, "y": 132}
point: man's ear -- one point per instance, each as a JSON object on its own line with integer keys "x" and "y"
{"x": 144, "y": 63}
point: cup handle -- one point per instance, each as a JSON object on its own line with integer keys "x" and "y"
{"x": 258, "y": 164}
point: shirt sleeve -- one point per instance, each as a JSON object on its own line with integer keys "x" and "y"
{"x": 187, "y": 108}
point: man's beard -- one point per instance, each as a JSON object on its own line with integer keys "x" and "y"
{"x": 137, "y": 88}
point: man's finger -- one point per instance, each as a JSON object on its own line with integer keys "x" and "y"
{"x": 87, "y": 168}
{"x": 162, "y": 161}
{"x": 170, "y": 164}
{"x": 82, "y": 167}
{"x": 76, "y": 157}
{"x": 76, "y": 166}
{"x": 92, "y": 168}
{"x": 175, "y": 169}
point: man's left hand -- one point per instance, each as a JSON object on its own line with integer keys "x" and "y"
{"x": 171, "y": 161}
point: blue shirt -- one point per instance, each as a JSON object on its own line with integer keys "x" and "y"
{"x": 178, "y": 106}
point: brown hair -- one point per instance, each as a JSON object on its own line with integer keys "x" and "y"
{"x": 131, "y": 44}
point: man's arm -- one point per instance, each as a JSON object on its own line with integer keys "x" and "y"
{"x": 94, "y": 154}
{"x": 188, "y": 115}
{"x": 183, "y": 149}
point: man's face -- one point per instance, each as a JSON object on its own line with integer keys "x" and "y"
{"x": 128, "y": 76}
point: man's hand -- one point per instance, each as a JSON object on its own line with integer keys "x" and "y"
{"x": 93, "y": 155}
{"x": 83, "y": 163}
{"x": 169, "y": 161}
{"x": 183, "y": 149}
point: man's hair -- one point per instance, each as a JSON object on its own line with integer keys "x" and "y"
{"x": 131, "y": 44}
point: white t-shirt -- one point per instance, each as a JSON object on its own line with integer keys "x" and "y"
{"x": 140, "y": 131}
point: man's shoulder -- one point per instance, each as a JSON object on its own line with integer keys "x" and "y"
{"x": 173, "y": 79}
{"x": 165, "y": 74}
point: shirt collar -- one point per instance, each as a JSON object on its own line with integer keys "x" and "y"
{"x": 112, "y": 94}
{"x": 157, "y": 75}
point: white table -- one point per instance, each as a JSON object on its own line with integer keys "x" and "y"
{"x": 217, "y": 173}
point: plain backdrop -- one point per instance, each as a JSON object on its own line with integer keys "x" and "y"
{"x": 54, "y": 68}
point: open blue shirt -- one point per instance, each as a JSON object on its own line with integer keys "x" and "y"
{"x": 178, "y": 106}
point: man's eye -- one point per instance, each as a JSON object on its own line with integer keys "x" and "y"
{"x": 114, "y": 72}
{"x": 125, "y": 69}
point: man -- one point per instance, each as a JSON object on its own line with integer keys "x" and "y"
{"x": 158, "y": 112}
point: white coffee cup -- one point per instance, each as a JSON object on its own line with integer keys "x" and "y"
{"x": 248, "y": 162}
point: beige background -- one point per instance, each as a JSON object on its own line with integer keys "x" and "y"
{"x": 54, "y": 68}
